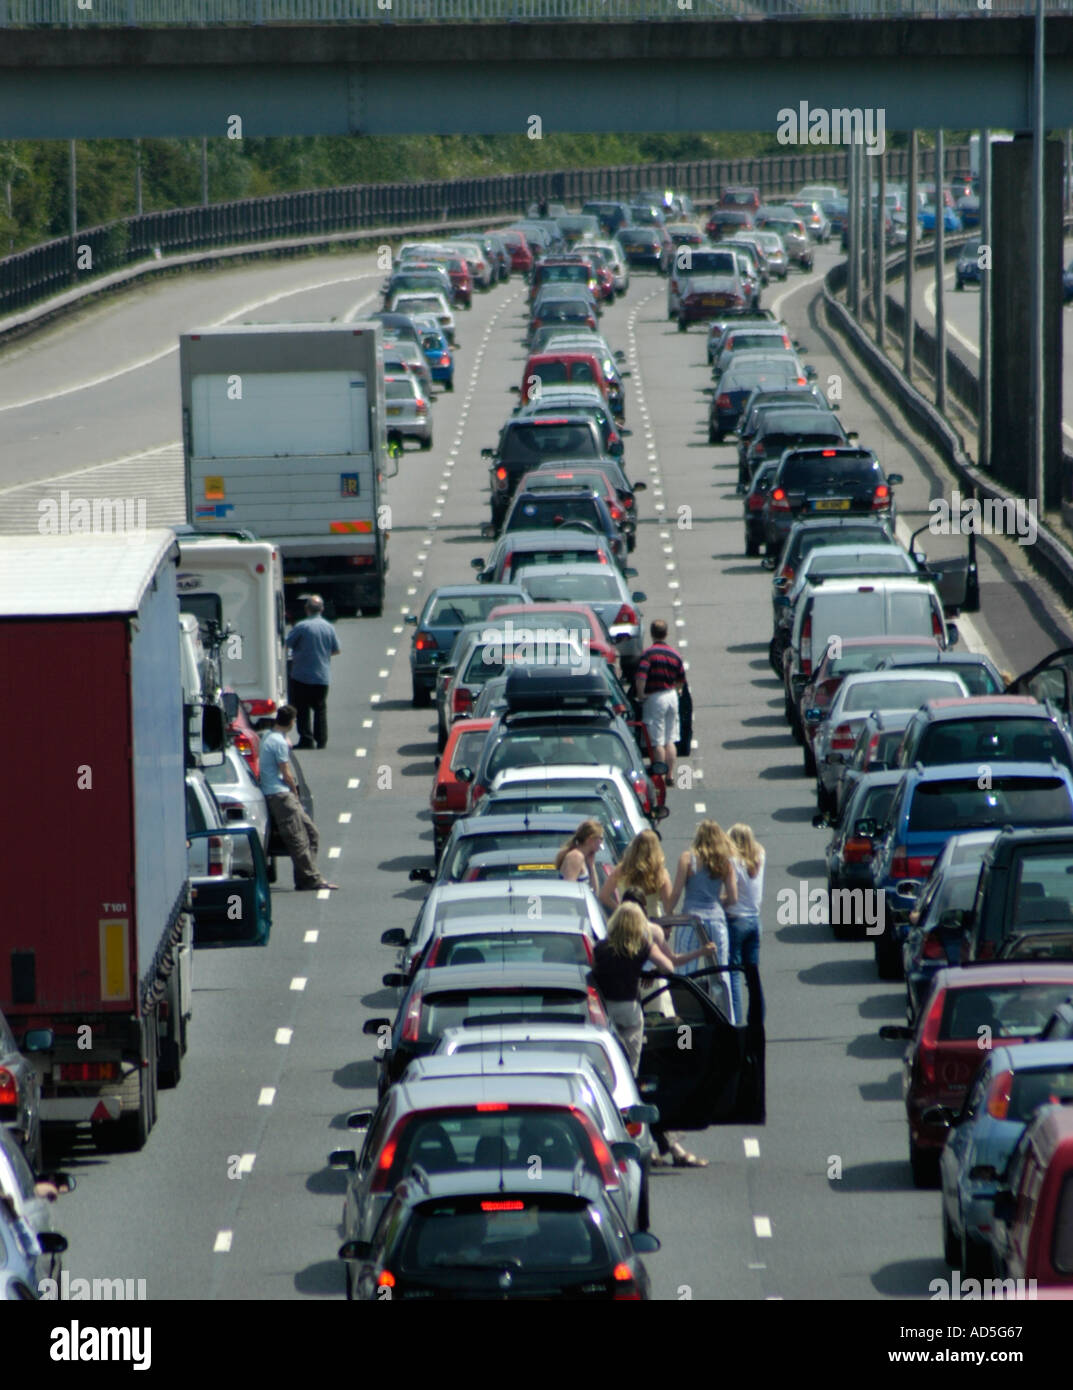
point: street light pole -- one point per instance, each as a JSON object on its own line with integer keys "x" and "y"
{"x": 1036, "y": 383}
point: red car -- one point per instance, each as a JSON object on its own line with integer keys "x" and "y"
{"x": 600, "y": 643}
{"x": 556, "y": 268}
{"x": 521, "y": 258}
{"x": 740, "y": 196}
{"x": 246, "y": 740}
{"x": 461, "y": 281}
{"x": 562, "y": 368}
{"x": 970, "y": 1008}
{"x": 448, "y": 796}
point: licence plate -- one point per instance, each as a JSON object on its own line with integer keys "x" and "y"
{"x": 712, "y": 301}
{"x": 394, "y": 410}
{"x": 831, "y": 504}
{"x": 534, "y": 868}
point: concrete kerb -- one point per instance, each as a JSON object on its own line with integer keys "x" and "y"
{"x": 29, "y": 320}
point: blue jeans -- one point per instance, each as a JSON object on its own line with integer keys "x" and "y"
{"x": 744, "y": 932}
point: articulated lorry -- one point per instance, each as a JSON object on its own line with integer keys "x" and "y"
{"x": 284, "y": 436}
{"x": 96, "y": 932}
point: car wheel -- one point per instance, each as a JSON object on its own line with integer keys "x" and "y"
{"x": 682, "y": 325}
{"x": 951, "y": 1243}
{"x": 643, "y": 1218}
{"x": 924, "y": 1164}
{"x": 752, "y": 543}
{"x": 888, "y": 956}
{"x": 348, "y": 1279}
{"x": 975, "y": 1258}
{"x": 421, "y": 696}
{"x": 450, "y": 384}
{"x": 774, "y": 656}
{"x": 441, "y": 738}
{"x": 841, "y": 931}
{"x": 715, "y": 436}
{"x": 809, "y": 759}
{"x": 825, "y": 800}
{"x": 272, "y": 868}
{"x": 426, "y": 445}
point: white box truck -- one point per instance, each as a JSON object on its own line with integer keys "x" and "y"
{"x": 284, "y": 436}
{"x": 235, "y": 586}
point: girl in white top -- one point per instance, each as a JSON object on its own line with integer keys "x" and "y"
{"x": 743, "y": 916}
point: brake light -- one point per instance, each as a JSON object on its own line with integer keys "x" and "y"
{"x": 723, "y": 402}
{"x": 806, "y": 646}
{"x": 998, "y": 1098}
{"x": 601, "y": 557}
{"x": 873, "y": 745}
{"x": 475, "y": 794}
{"x": 933, "y": 948}
{"x": 596, "y": 1008}
{"x": 89, "y": 1071}
{"x": 422, "y": 406}
{"x": 857, "y": 851}
{"x": 904, "y": 865}
{"x": 257, "y": 708}
{"x": 881, "y": 497}
{"x": 412, "y": 1026}
{"x": 424, "y": 642}
{"x": 625, "y": 615}
{"x": 9, "y": 1090}
{"x": 608, "y": 1168}
{"x": 588, "y": 950}
{"x": 216, "y": 856}
{"x": 445, "y": 361}
{"x": 625, "y": 1288}
{"x": 434, "y": 955}
{"x": 779, "y": 501}
{"x": 386, "y": 1279}
{"x": 843, "y": 737}
{"x": 243, "y": 743}
{"x": 755, "y": 501}
{"x": 501, "y": 1206}
{"x": 489, "y": 1105}
{"x": 616, "y": 513}
{"x": 936, "y": 625}
{"x": 929, "y": 1038}
{"x": 786, "y": 573}
{"x": 501, "y": 476}
{"x": 462, "y": 701}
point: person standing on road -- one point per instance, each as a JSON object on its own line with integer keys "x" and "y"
{"x": 644, "y": 868}
{"x": 660, "y": 674}
{"x": 311, "y": 644}
{"x": 706, "y": 874}
{"x": 280, "y": 790}
{"x": 743, "y": 917}
{"x": 617, "y": 963}
{"x": 576, "y": 861}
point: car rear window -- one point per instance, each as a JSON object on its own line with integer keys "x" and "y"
{"x": 528, "y": 442}
{"x": 550, "y": 273}
{"x": 804, "y": 473}
{"x": 544, "y": 514}
{"x": 588, "y": 588}
{"x": 875, "y": 804}
{"x": 455, "y": 610}
{"x": 1043, "y": 891}
{"x": 401, "y": 389}
{"x": 1009, "y": 1011}
{"x": 445, "y": 1141}
{"x": 978, "y": 679}
{"x": 1040, "y": 1086}
{"x": 534, "y": 948}
{"x": 549, "y": 748}
{"x": 469, "y": 748}
{"x": 491, "y": 840}
{"x": 966, "y": 740}
{"x": 963, "y": 804}
{"x": 496, "y": 658}
{"x": 452, "y": 1008}
{"x": 868, "y": 658}
{"x": 782, "y": 420}
{"x": 552, "y": 909}
{"x": 857, "y": 614}
{"x": 558, "y": 1238}
{"x": 880, "y": 694}
{"x": 572, "y": 1047}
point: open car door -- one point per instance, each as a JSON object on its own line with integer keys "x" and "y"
{"x": 696, "y": 1066}
{"x": 1050, "y": 679}
{"x": 957, "y": 580}
{"x": 234, "y": 911}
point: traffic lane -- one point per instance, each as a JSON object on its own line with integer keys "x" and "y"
{"x": 123, "y": 357}
{"x": 122, "y": 1220}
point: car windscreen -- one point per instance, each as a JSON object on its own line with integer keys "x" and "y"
{"x": 962, "y": 804}
{"x": 803, "y": 474}
{"x": 865, "y": 659}
{"x": 399, "y": 390}
{"x": 531, "y": 442}
{"x": 1009, "y": 1011}
{"x": 966, "y": 740}
{"x": 1042, "y": 891}
{"x": 496, "y": 658}
{"x": 550, "y": 748}
{"x": 535, "y": 948}
{"x": 1040, "y": 1086}
{"x": 585, "y": 588}
{"x": 557, "y": 1238}
{"x": 451, "y": 1009}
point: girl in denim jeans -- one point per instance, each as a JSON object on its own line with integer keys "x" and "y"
{"x": 743, "y": 916}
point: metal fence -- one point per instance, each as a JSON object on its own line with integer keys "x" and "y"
{"x": 199, "y": 13}
{"x": 54, "y": 266}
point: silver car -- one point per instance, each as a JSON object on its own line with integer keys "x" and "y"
{"x": 31, "y": 1212}
{"x": 417, "y": 304}
{"x": 774, "y": 253}
{"x": 613, "y": 784}
{"x": 241, "y": 801}
{"x": 399, "y": 351}
{"x": 604, "y": 589}
{"x": 407, "y": 410}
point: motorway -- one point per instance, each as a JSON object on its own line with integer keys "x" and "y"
{"x": 232, "y": 1197}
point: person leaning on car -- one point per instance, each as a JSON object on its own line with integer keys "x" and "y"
{"x": 659, "y": 677}
{"x": 288, "y": 814}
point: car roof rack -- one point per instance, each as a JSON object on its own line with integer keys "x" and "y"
{"x": 538, "y": 690}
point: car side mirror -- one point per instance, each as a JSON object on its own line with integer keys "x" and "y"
{"x": 412, "y": 619}
{"x": 343, "y": 1158}
{"x": 952, "y": 635}
{"x": 645, "y": 1243}
{"x": 983, "y": 1172}
{"x": 895, "y": 1032}
{"x": 421, "y": 875}
{"x": 768, "y": 562}
{"x": 515, "y": 390}
{"x": 477, "y": 563}
{"x": 639, "y": 597}
{"x": 908, "y": 888}
{"x": 488, "y": 453}
{"x": 626, "y": 373}
{"x": 38, "y": 1040}
{"x": 394, "y": 936}
{"x": 625, "y": 1150}
{"x": 941, "y": 1116}
{"x": 1004, "y": 1205}
{"x": 355, "y": 1250}
{"x": 894, "y": 479}
{"x": 953, "y": 919}
{"x": 866, "y": 828}
{"x": 620, "y": 356}
{"x": 51, "y": 1243}
{"x": 810, "y": 372}
{"x": 853, "y": 436}
{"x": 640, "y": 485}
{"x": 660, "y": 813}
{"x": 359, "y": 1119}
{"x": 658, "y": 769}
{"x": 641, "y": 1114}
{"x": 814, "y": 714}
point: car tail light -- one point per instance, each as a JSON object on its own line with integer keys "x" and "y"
{"x": 588, "y": 950}
{"x": 625, "y": 1286}
{"x": 505, "y": 1205}
{"x": 537, "y": 323}
{"x": 243, "y": 743}
{"x": 616, "y": 513}
{"x": 424, "y": 642}
{"x": 489, "y": 1105}
{"x": 604, "y": 1158}
{"x": 385, "y": 1279}
{"x": 596, "y": 1008}
{"x": 601, "y": 557}
{"x": 216, "y": 856}
{"x": 857, "y": 851}
{"x": 843, "y": 737}
{"x": 786, "y": 573}
{"x": 936, "y": 625}
{"x": 625, "y": 614}
{"x": 929, "y": 1038}
{"x": 257, "y": 709}
{"x": 445, "y": 361}
{"x": 904, "y": 865}
{"x": 633, "y": 1129}
{"x": 462, "y": 700}
{"x": 89, "y": 1071}
{"x": 475, "y": 794}
{"x": 755, "y": 501}
{"x": 932, "y": 948}
{"x": 723, "y": 402}
{"x": 806, "y": 646}
{"x": 501, "y": 476}
{"x": 998, "y": 1097}
{"x": 422, "y": 406}
{"x": 412, "y": 1026}
{"x": 9, "y": 1089}
{"x": 873, "y": 745}
{"x": 881, "y": 497}
{"x": 779, "y": 500}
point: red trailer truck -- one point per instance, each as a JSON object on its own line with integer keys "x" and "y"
{"x": 96, "y": 931}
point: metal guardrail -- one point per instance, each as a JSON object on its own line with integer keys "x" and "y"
{"x": 201, "y": 13}
{"x": 54, "y": 266}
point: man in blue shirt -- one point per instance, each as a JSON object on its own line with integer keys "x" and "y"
{"x": 311, "y": 644}
{"x": 280, "y": 790}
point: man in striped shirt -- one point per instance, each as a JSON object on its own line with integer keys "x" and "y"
{"x": 659, "y": 677}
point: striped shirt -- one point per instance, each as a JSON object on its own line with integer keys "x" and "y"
{"x": 660, "y": 668}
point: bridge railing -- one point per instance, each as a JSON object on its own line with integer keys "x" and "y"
{"x": 53, "y": 266}
{"x": 198, "y": 13}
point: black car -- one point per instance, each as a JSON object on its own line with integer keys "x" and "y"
{"x": 643, "y": 246}
{"x": 626, "y": 508}
{"x": 738, "y": 383}
{"x": 967, "y": 271}
{"x": 754, "y": 506}
{"x": 850, "y": 850}
{"x": 524, "y": 444}
{"x": 840, "y": 480}
{"x": 459, "y": 1236}
{"x": 611, "y": 216}
{"x": 790, "y": 427}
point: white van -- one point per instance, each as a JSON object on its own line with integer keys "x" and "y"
{"x": 872, "y": 606}
{"x": 238, "y": 584}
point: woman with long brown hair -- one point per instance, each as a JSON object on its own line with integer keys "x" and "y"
{"x": 576, "y": 860}
{"x": 643, "y": 868}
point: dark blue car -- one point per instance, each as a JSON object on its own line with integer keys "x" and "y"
{"x": 447, "y": 610}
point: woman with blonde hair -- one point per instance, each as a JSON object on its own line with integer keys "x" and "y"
{"x": 617, "y": 963}
{"x": 643, "y": 868}
{"x": 707, "y": 876}
{"x": 743, "y": 917}
{"x": 576, "y": 860}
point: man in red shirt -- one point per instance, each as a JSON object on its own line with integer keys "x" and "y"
{"x": 659, "y": 677}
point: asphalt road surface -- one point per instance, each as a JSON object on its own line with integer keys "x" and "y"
{"x": 232, "y": 1196}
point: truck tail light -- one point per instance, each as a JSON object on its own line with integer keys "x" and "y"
{"x": 89, "y": 1071}
{"x": 462, "y": 701}
{"x": 216, "y": 856}
{"x": 929, "y": 1038}
{"x": 625, "y": 615}
{"x": 9, "y": 1088}
{"x": 411, "y": 1028}
{"x": 843, "y": 737}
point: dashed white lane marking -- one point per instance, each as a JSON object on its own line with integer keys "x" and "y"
{"x": 762, "y": 1227}
{"x": 223, "y": 1242}
{"x": 267, "y": 1096}
{"x": 344, "y": 817}
{"x": 353, "y": 783}
{"x": 752, "y": 1147}
{"x": 382, "y": 675}
{"x": 699, "y": 807}
{"x": 284, "y": 1036}
{"x": 312, "y": 936}
{"x": 375, "y": 699}
{"x": 335, "y": 852}
{"x": 299, "y": 982}
{"x": 324, "y": 894}
{"x": 361, "y": 752}
{"x": 246, "y": 1162}
{"x": 366, "y": 723}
